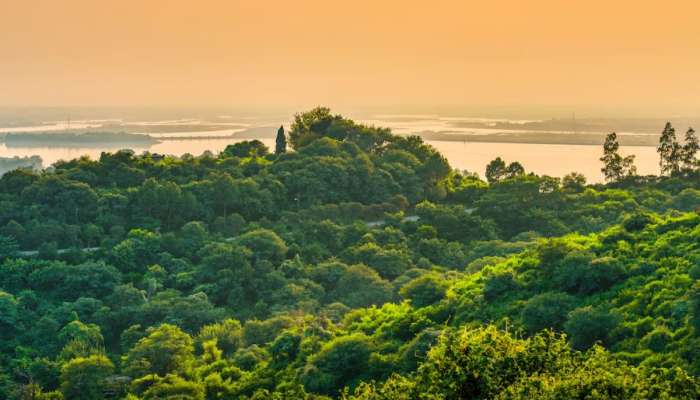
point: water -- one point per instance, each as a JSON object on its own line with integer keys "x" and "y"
{"x": 543, "y": 159}
{"x": 214, "y": 134}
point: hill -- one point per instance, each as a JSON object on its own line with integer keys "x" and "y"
{"x": 359, "y": 265}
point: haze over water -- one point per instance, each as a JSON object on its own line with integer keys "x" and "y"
{"x": 195, "y": 136}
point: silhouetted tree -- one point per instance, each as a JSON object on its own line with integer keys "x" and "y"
{"x": 281, "y": 141}
{"x": 669, "y": 151}
{"x": 497, "y": 170}
{"x": 574, "y": 181}
{"x": 615, "y": 167}
{"x": 514, "y": 169}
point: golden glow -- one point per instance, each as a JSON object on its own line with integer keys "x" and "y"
{"x": 362, "y": 52}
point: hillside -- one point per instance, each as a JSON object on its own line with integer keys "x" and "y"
{"x": 360, "y": 265}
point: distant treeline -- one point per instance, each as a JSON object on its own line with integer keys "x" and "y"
{"x": 12, "y": 163}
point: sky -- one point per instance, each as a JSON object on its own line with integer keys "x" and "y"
{"x": 611, "y": 55}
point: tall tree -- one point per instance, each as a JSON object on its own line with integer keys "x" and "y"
{"x": 690, "y": 149}
{"x": 281, "y": 141}
{"x": 669, "y": 151}
{"x": 615, "y": 167}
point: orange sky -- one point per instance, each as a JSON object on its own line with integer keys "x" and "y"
{"x": 608, "y": 54}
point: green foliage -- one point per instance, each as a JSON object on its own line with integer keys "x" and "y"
{"x": 497, "y": 170}
{"x": 85, "y": 378}
{"x": 170, "y": 387}
{"x": 487, "y": 364}
{"x": 669, "y": 151}
{"x": 165, "y": 350}
{"x": 424, "y": 290}
{"x": 588, "y": 326}
{"x": 342, "y": 362}
{"x": 689, "y": 150}
{"x": 319, "y": 123}
{"x": 615, "y": 167}
{"x": 280, "y": 142}
{"x": 247, "y": 148}
{"x": 360, "y": 265}
{"x": 548, "y": 310}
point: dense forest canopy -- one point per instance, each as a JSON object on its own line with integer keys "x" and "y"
{"x": 358, "y": 265}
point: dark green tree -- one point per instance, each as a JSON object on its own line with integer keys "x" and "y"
{"x": 311, "y": 125}
{"x": 497, "y": 170}
{"x": 548, "y": 310}
{"x": 587, "y": 326}
{"x": 247, "y": 148}
{"x": 8, "y": 247}
{"x": 514, "y": 169}
{"x": 424, "y": 290}
{"x": 280, "y": 141}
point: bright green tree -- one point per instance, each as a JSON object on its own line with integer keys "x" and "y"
{"x": 83, "y": 378}
{"x": 167, "y": 349}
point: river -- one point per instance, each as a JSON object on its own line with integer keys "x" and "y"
{"x": 543, "y": 159}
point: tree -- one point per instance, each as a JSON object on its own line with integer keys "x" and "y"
{"x": 280, "y": 141}
{"x": 669, "y": 151}
{"x": 574, "y": 182}
{"x": 16, "y": 180}
{"x": 226, "y": 333}
{"x": 341, "y": 362}
{"x": 587, "y": 326}
{"x": 424, "y": 290}
{"x": 246, "y": 148}
{"x": 546, "y": 311}
{"x": 9, "y": 313}
{"x": 497, "y": 170}
{"x": 8, "y": 247}
{"x": 615, "y": 167}
{"x": 689, "y": 150}
{"x": 361, "y": 286}
{"x": 83, "y": 378}
{"x": 694, "y": 296}
{"x": 265, "y": 244}
{"x": 514, "y": 169}
{"x": 310, "y": 125}
{"x": 319, "y": 122}
{"x": 167, "y": 349}
{"x": 169, "y": 387}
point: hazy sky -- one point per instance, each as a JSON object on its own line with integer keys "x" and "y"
{"x": 608, "y": 54}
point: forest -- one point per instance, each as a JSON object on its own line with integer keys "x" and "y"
{"x": 349, "y": 263}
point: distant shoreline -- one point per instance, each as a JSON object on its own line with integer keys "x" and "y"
{"x": 578, "y": 139}
{"x": 100, "y": 138}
